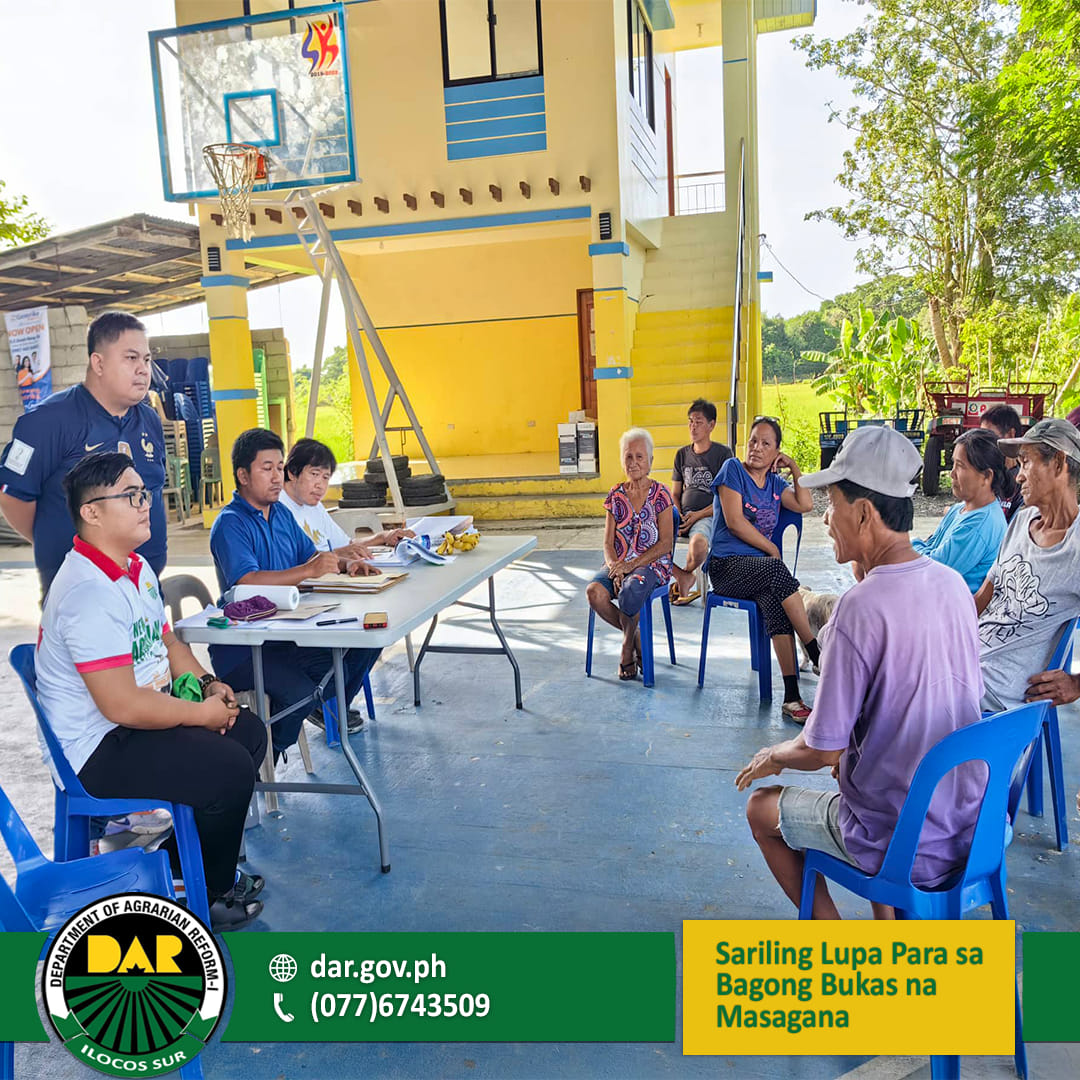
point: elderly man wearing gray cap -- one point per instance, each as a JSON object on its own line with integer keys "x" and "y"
{"x": 891, "y": 687}
{"x": 1033, "y": 588}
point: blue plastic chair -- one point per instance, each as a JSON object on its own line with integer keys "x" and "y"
{"x": 74, "y": 807}
{"x": 1050, "y": 737}
{"x": 1005, "y": 742}
{"x": 47, "y": 893}
{"x": 760, "y": 646}
{"x": 645, "y": 626}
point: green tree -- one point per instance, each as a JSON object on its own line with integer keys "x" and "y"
{"x": 1039, "y": 89}
{"x": 18, "y": 225}
{"x": 333, "y": 366}
{"x": 937, "y": 189}
{"x": 897, "y": 293}
{"x": 333, "y": 417}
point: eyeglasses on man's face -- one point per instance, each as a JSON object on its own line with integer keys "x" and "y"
{"x": 137, "y": 498}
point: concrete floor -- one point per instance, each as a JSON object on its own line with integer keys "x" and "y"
{"x": 601, "y": 806}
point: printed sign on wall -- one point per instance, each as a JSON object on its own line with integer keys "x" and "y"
{"x": 28, "y": 342}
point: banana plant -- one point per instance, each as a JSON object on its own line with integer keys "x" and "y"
{"x": 878, "y": 366}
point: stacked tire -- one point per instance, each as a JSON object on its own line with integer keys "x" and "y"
{"x": 424, "y": 489}
{"x": 357, "y": 493}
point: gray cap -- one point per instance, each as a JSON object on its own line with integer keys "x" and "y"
{"x": 1055, "y": 433}
{"x": 876, "y": 458}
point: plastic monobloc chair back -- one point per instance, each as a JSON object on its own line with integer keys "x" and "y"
{"x": 999, "y": 741}
{"x": 75, "y": 805}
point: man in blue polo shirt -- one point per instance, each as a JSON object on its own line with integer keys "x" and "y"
{"x": 104, "y": 412}
{"x": 256, "y": 541}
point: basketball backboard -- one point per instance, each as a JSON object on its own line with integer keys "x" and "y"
{"x": 279, "y": 80}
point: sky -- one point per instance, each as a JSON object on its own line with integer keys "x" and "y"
{"x": 77, "y": 136}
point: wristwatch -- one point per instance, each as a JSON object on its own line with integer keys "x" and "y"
{"x": 204, "y": 683}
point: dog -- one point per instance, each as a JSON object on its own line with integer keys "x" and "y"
{"x": 819, "y": 609}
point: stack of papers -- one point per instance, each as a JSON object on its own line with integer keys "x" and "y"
{"x": 439, "y": 525}
{"x": 345, "y": 583}
{"x": 408, "y": 551}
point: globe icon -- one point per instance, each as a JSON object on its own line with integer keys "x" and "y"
{"x": 282, "y": 968}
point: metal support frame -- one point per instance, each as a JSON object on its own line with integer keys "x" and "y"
{"x": 362, "y": 787}
{"x": 320, "y": 343}
{"x": 328, "y": 264}
{"x": 470, "y": 650}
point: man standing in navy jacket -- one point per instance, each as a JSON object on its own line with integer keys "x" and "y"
{"x": 106, "y": 411}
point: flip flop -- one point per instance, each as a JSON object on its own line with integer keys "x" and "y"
{"x": 798, "y": 711}
{"x": 689, "y": 598}
{"x": 628, "y": 672}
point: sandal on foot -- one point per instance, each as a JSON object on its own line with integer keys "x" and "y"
{"x": 247, "y": 886}
{"x": 230, "y": 913}
{"x": 689, "y": 598}
{"x": 628, "y": 672}
{"x": 798, "y": 711}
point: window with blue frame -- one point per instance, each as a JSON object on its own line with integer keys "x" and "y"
{"x": 485, "y": 40}
{"x": 641, "y": 60}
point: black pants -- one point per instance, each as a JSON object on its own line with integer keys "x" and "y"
{"x": 756, "y": 577}
{"x": 214, "y": 774}
{"x": 292, "y": 674}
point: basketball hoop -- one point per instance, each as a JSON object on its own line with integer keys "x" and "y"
{"x": 236, "y": 168}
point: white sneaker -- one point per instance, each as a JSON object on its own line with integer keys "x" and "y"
{"x": 147, "y": 829}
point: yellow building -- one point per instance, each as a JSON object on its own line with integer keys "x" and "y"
{"x": 514, "y": 225}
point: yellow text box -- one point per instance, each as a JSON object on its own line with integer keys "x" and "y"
{"x": 788, "y": 987}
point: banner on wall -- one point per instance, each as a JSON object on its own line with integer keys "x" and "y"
{"x": 28, "y": 342}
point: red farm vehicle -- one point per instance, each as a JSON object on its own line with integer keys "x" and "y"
{"x": 955, "y": 408}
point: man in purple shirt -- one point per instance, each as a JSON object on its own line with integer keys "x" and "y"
{"x": 893, "y": 683}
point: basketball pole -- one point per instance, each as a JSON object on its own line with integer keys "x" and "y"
{"x": 320, "y": 342}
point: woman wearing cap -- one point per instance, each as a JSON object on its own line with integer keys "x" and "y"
{"x": 970, "y": 533}
{"x": 1033, "y": 588}
{"x": 745, "y": 564}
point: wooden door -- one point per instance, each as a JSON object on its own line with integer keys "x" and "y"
{"x": 587, "y": 350}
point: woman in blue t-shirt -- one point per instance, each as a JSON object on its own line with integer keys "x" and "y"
{"x": 971, "y": 532}
{"x": 745, "y": 564}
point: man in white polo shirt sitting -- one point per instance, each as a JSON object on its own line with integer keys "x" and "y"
{"x": 106, "y": 664}
{"x": 308, "y": 469}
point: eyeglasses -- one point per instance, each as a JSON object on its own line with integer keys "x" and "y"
{"x": 137, "y": 499}
{"x": 772, "y": 419}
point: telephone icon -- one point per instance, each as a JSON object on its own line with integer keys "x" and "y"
{"x": 282, "y": 1014}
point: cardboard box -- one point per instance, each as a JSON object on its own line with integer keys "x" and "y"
{"x": 587, "y": 444}
{"x": 568, "y": 461}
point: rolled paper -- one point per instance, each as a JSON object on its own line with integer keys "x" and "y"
{"x": 284, "y": 597}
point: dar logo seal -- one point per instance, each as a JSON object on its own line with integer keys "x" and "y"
{"x": 134, "y": 985}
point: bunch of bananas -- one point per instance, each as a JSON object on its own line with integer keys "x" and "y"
{"x": 452, "y": 544}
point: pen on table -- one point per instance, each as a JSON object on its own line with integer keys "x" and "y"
{"x": 335, "y": 622}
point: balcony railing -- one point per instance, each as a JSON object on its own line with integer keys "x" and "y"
{"x": 699, "y": 193}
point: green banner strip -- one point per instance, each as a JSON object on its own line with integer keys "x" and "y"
{"x": 19, "y": 1020}
{"x": 452, "y": 987}
{"x": 1051, "y": 962}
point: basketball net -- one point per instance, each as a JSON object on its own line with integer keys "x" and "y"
{"x": 235, "y": 168}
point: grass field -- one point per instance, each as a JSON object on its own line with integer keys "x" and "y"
{"x": 797, "y": 407}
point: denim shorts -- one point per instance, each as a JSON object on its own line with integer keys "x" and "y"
{"x": 704, "y": 527}
{"x": 636, "y": 589}
{"x": 811, "y": 819}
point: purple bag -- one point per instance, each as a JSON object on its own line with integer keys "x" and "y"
{"x": 250, "y": 610}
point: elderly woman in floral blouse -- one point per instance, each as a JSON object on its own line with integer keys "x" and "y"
{"x": 639, "y": 535}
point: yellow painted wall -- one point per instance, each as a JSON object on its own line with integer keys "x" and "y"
{"x": 484, "y": 339}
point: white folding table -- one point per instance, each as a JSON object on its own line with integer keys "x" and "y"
{"x": 426, "y": 592}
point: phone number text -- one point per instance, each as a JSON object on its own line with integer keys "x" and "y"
{"x": 388, "y": 1006}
